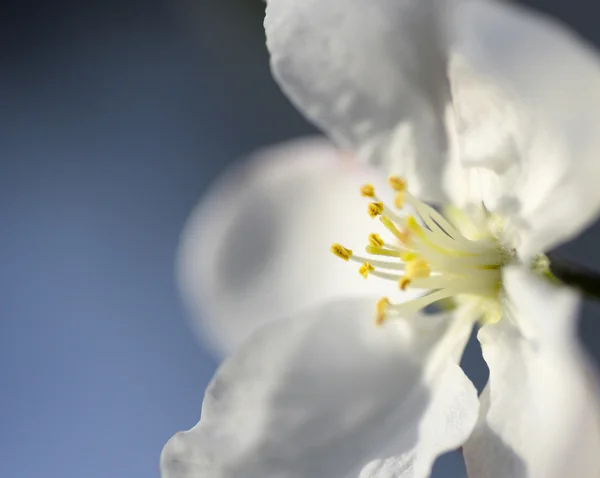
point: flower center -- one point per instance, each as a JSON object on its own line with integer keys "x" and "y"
{"x": 430, "y": 251}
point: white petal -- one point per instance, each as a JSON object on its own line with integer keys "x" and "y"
{"x": 524, "y": 108}
{"x": 527, "y": 99}
{"x": 326, "y": 393}
{"x": 540, "y": 411}
{"x": 257, "y": 246}
{"x": 372, "y": 74}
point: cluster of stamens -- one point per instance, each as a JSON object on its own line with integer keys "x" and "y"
{"x": 428, "y": 252}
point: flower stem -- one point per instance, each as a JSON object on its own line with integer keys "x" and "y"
{"x": 585, "y": 280}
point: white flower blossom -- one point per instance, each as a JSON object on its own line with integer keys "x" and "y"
{"x": 484, "y": 109}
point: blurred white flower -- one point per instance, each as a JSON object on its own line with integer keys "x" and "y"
{"x": 480, "y": 105}
{"x": 256, "y": 248}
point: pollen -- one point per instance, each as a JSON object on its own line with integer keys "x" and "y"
{"x": 375, "y": 209}
{"x": 365, "y": 269}
{"x": 397, "y": 184}
{"x": 380, "y": 310}
{"x": 367, "y": 190}
{"x": 428, "y": 251}
{"x": 403, "y": 283}
{"x": 399, "y": 200}
{"x": 341, "y": 252}
{"x": 376, "y": 241}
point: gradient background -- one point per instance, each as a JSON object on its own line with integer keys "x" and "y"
{"x": 114, "y": 117}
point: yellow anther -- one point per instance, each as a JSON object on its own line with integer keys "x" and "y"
{"x": 375, "y": 240}
{"x": 341, "y": 251}
{"x": 417, "y": 269}
{"x": 403, "y": 283}
{"x": 367, "y": 190}
{"x": 375, "y": 209}
{"x": 365, "y": 269}
{"x": 381, "y": 309}
{"x": 399, "y": 200}
{"x": 396, "y": 183}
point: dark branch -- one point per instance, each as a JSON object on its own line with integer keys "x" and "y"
{"x": 579, "y": 277}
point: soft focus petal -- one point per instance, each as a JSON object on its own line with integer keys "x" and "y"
{"x": 372, "y": 74}
{"x": 326, "y": 393}
{"x": 257, "y": 246}
{"x": 540, "y": 410}
{"x": 527, "y": 103}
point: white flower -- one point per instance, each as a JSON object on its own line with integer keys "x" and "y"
{"x": 479, "y": 105}
{"x": 257, "y": 246}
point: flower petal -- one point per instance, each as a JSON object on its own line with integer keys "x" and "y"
{"x": 527, "y": 102}
{"x": 326, "y": 393}
{"x": 540, "y": 410}
{"x": 372, "y": 74}
{"x": 256, "y": 248}
{"x": 518, "y": 93}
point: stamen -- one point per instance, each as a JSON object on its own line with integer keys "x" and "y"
{"x": 375, "y": 209}
{"x": 389, "y": 251}
{"x": 413, "y": 226}
{"x": 413, "y": 306}
{"x": 341, "y": 252}
{"x": 386, "y": 275}
{"x": 403, "y": 283}
{"x": 432, "y": 254}
{"x": 437, "y": 222}
{"x": 381, "y": 308}
{"x": 347, "y": 255}
{"x": 415, "y": 269}
{"x": 433, "y": 219}
{"x": 397, "y": 266}
{"x": 403, "y": 237}
{"x": 397, "y": 184}
{"x": 438, "y": 242}
{"x": 375, "y": 240}
{"x": 365, "y": 269}
{"x": 367, "y": 190}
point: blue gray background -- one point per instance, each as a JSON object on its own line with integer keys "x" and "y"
{"x": 114, "y": 117}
